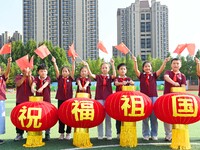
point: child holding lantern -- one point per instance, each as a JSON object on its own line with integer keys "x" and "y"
{"x": 148, "y": 86}
{"x": 103, "y": 90}
{"x": 173, "y": 78}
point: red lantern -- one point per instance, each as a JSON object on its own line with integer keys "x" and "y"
{"x": 178, "y": 108}
{"x": 128, "y": 106}
{"x": 81, "y": 113}
{"x": 34, "y": 116}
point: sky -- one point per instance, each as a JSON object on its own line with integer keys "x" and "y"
{"x": 184, "y": 22}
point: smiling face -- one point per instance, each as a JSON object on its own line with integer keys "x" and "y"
{"x": 147, "y": 68}
{"x": 176, "y": 65}
{"x": 65, "y": 72}
{"x": 42, "y": 73}
{"x": 84, "y": 72}
{"x": 122, "y": 71}
{"x": 105, "y": 68}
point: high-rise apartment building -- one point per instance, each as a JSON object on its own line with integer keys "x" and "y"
{"x": 143, "y": 29}
{"x": 63, "y": 22}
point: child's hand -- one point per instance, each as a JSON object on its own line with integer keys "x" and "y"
{"x": 112, "y": 61}
{"x": 40, "y": 90}
{"x": 167, "y": 59}
{"x": 124, "y": 82}
{"x": 53, "y": 59}
{"x": 9, "y": 59}
{"x": 176, "y": 84}
{"x": 131, "y": 82}
{"x": 134, "y": 58}
{"x": 33, "y": 90}
{"x": 197, "y": 60}
{"x": 85, "y": 63}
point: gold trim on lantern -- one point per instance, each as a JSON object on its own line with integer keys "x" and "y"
{"x": 85, "y": 130}
{"x": 177, "y": 89}
{"x": 83, "y": 95}
{"x": 35, "y": 98}
{"x": 128, "y": 88}
{"x": 128, "y": 123}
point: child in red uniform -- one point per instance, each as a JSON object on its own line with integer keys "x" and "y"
{"x": 83, "y": 81}
{"x": 173, "y": 78}
{"x": 198, "y": 71}
{"x": 64, "y": 92}
{"x": 121, "y": 80}
{"x": 3, "y": 78}
{"x": 23, "y": 91}
{"x": 42, "y": 85}
{"x": 103, "y": 90}
{"x": 148, "y": 86}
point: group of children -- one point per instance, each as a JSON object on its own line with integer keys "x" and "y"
{"x": 40, "y": 86}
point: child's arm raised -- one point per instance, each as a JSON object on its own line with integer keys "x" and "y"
{"x": 198, "y": 66}
{"x": 162, "y": 67}
{"x": 89, "y": 71}
{"x": 113, "y": 68}
{"x": 8, "y": 67}
{"x": 73, "y": 68}
{"x": 135, "y": 67}
{"x": 55, "y": 67}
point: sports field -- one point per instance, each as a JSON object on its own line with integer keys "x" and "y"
{"x": 55, "y": 144}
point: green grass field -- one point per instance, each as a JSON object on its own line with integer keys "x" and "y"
{"x": 55, "y": 144}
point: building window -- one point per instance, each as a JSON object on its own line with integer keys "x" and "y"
{"x": 142, "y": 27}
{"x": 142, "y": 43}
{"x": 142, "y": 16}
{"x": 148, "y": 27}
{"x": 148, "y": 43}
{"x": 148, "y": 17}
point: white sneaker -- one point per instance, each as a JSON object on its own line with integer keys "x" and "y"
{"x": 68, "y": 136}
{"x": 146, "y": 138}
{"x": 154, "y": 138}
{"x": 118, "y": 136}
{"x": 109, "y": 138}
{"x": 18, "y": 137}
{"x": 100, "y": 138}
{"x": 61, "y": 136}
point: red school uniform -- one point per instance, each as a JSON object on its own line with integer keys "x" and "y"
{"x": 103, "y": 87}
{"x": 180, "y": 78}
{"x": 64, "y": 90}
{"x": 3, "y": 87}
{"x": 148, "y": 84}
{"x": 83, "y": 82}
{"x": 23, "y": 91}
{"x": 120, "y": 79}
{"x": 199, "y": 86}
{"x": 46, "y": 91}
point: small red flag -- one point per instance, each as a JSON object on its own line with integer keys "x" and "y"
{"x": 6, "y": 49}
{"x": 71, "y": 51}
{"x": 42, "y": 51}
{"x": 122, "y": 48}
{"x": 23, "y": 62}
{"x": 102, "y": 47}
{"x": 179, "y": 49}
{"x": 191, "y": 48}
{"x": 31, "y": 63}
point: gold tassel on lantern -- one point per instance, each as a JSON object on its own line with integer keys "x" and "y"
{"x": 81, "y": 135}
{"x": 180, "y": 133}
{"x": 34, "y": 138}
{"x": 128, "y": 134}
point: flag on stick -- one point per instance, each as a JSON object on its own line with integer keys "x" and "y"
{"x": 191, "y": 48}
{"x": 31, "y": 64}
{"x": 179, "y": 49}
{"x": 71, "y": 51}
{"x": 122, "y": 48}
{"x": 23, "y": 62}
{"x": 102, "y": 47}
{"x": 42, "y": 51}
{"x": 6, "y": 49}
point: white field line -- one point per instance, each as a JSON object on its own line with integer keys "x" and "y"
{"x": 117, "y": 145}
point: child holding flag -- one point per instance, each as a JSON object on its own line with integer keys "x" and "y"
{"x": 121, "y": 80}
{"x": 64, "y": 92}
{"x": 103, "y": 90}
{"x": 148, "y": 86}
{"x": 3, "y": 78}
{"x": 173, "y": 78}
{"x": 41, "y": 86}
